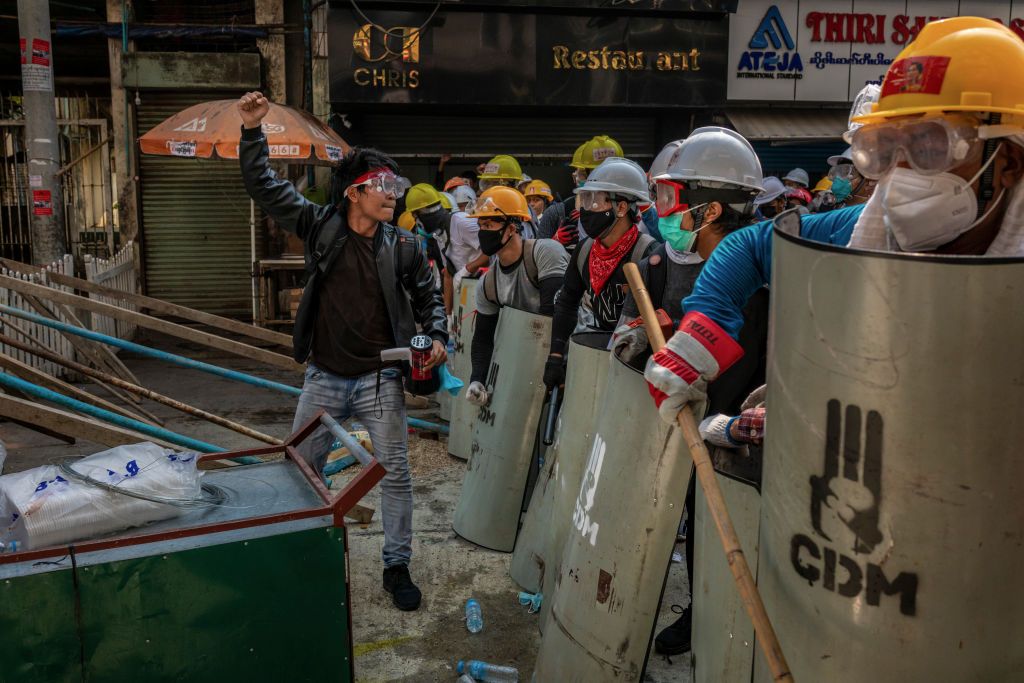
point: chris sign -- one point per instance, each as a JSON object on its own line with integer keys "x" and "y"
{"x": 807, "y": 51}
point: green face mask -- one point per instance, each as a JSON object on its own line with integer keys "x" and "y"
{"x": 671, "y": 228}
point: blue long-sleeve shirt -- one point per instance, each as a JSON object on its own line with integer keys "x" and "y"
{"x": 742, "y": 263}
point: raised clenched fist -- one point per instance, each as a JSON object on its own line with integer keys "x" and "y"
{"x": 253, "y": 106}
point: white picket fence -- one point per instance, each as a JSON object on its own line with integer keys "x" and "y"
{"x": 118, "y": 272}
{"x": 33, "y": 333}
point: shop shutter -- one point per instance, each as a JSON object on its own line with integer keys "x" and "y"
{"x": 195, "y": 220}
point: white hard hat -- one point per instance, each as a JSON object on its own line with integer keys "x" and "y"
{"x": 867, "y": 96}
{"x": 660, "y": 163}
{"x": 464, "y": 194}
{"x": 716, "y": 155}
{"x": 773, "y": 189}
{"x": 844, "y": 158}
{"x": 618, "y": 176}
{"x": 799, "y": 175}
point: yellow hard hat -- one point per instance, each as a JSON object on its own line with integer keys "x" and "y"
{"x": 501, "y": 202}
{"x": 407, "y": 221}
{"x": 502, "y": 167}
{"x": 595, "y": 150}
{"x": 421, "y": 196}
{"x": 823, "y": 184}
{"x": 540, "y": 189}
{"x": 959, "y": 64}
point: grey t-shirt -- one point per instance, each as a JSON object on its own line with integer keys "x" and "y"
{"x": 513, "y": 286}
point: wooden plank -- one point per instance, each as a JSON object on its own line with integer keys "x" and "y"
{"x": 102, "y": 277}
{"x": 69, "y": 440}
{"x": 31, "y": 374}
{"x": 149, "y": 322}
{"x": 72, "y": 424}
{"x": 158, "y": 305}
{"x": 106, "y": 352}
{"x": 360, "y": 513}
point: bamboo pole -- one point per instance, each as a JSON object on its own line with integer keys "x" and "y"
{"x": 141, "y": 391}
{"x": 766, "y": 637}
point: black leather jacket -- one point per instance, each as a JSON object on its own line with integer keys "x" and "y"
{"x": 412, "y": 299}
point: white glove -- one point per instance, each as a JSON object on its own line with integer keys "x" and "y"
{"x": 450, "y": 319}
{"x": 457, "y": 281}
{"x": 477, "y": 394}
{"x": 715, "y": 430}
{"x": 629, "y": 342}
{"x": 756, "y": 398}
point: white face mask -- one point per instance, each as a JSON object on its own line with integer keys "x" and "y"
{"x": 924, "y": 212}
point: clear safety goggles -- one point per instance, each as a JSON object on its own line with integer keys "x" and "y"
{"x": 488, "y": 183}
{"x": 488, "y": 209}
{"x": 594, "y": 200}
{"x": 930, "y": 146}
{"x": 846, "y": 171}
{"x": 579, "y": 175}
{"x": 384, "y": 183}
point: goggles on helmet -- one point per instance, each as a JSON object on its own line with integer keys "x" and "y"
{"x": 844, "y": 170}
{"x": 383, "y": 181}
{"x": 488, "y": 183}
{"x": 488, "y": 208}
{"x": 593, "y": 200}
{"x": 930, "y": 145}
{"x": 579, "y": 175}
{"x": 674, "y": 196}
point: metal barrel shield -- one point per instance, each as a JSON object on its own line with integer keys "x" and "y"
{"x": 891, "y": 524}
{"x": 462, "y": 412}
{"x": 548, "y": 519}
{"x": 723, "y": 635}
{"x": 624, "y": 525}
{"x": 504, "y": 432}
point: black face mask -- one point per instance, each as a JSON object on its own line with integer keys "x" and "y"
{"x": 597, "y": 223}
{"x": 769, "y": 211}
{"x": 436, "y": 221}
{"x": 491, "y": 242}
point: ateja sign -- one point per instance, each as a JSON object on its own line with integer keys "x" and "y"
{"x": 806, "y": 50}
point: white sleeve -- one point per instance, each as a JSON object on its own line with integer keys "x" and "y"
{"x": 466, "y": 229}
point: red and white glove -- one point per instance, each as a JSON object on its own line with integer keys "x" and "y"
{"x": 696, "y": 354}
{"x": 567, "y": 234}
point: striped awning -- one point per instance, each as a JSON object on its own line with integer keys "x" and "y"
{"x": 789, "y": 124}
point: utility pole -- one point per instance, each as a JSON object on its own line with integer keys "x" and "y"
{"x": 42, "y": 145}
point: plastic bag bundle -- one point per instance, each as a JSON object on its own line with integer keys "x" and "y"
{"x": 46, "y": 506}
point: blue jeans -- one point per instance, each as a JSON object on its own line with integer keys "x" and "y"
{"x": 383, "y": 416}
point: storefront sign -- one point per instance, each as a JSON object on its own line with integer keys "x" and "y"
{"x": 526, "y": 59}
{"x": 820, "y": 51}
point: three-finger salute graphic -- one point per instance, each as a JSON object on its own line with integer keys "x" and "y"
{"x": 845, "y": 499}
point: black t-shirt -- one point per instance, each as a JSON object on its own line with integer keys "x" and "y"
{"x": 352, "y": 323}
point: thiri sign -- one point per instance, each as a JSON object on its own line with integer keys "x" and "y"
{"x": 819, "y": 51}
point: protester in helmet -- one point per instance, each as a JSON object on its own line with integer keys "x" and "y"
{"x": 525, "y": 274}
{"x": 595, "y": 288}
{"x": 849, "y": 187}
{"x": 539, "y": 196}
{"x": 501, "y": 170}
{"x": 799, "y": 198}
{"x": 658, "y": 167}
{"x": 523, "y": 182}
{"x": 706, "y": 192}
{"x": 454, "y": 232}
{"x": 465, "y": 197}
{"x": 561, "y": 220}
{"x": 822, "y": 196}
{"x": 772, "y": 200}
{"x": 949, "y": 159}
{"x": 797, "y": 178}
{"x": 457, "y": 181}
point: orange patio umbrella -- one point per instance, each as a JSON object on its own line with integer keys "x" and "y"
{"x": 210, "y": 130}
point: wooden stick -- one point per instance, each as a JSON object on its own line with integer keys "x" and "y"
{"x": 766, "y": 637}
{"x": 39, "y": 344}
{"x": 82, "y": 157}
{"x": 142, "y": 391}
{"x": 71, "y": 424}
{"x": 31, "y": 374}
{"x": 111, "y": 358}
{"x": 156, "y": 305}
{"x": 149, "y": 322}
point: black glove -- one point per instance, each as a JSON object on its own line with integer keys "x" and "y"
{"x": 554, "y": 372}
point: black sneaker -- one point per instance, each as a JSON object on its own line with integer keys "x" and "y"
{"x": 675, "y": 638}
{"x": 404, "y": 592}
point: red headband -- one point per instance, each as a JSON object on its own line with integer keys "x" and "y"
{"x": 373, "y": 172}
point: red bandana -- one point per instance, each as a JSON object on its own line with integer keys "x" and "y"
{"x": 603, "y": 260}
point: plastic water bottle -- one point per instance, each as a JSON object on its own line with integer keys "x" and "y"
{"x": 465, "y": 678}
{"x": 488, "y": 673}
{"x": 474, "y": 618}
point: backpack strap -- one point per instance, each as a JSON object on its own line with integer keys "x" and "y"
{"x": 490, "y": 286}
{"x": 640, "y": 248}
{"x": 583, "y": 253}
{"x": 530, "y": 262}
{"x": 408, "y": 245}
{"x": 657, "y": 277}
{"x": 326, "y": 240}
